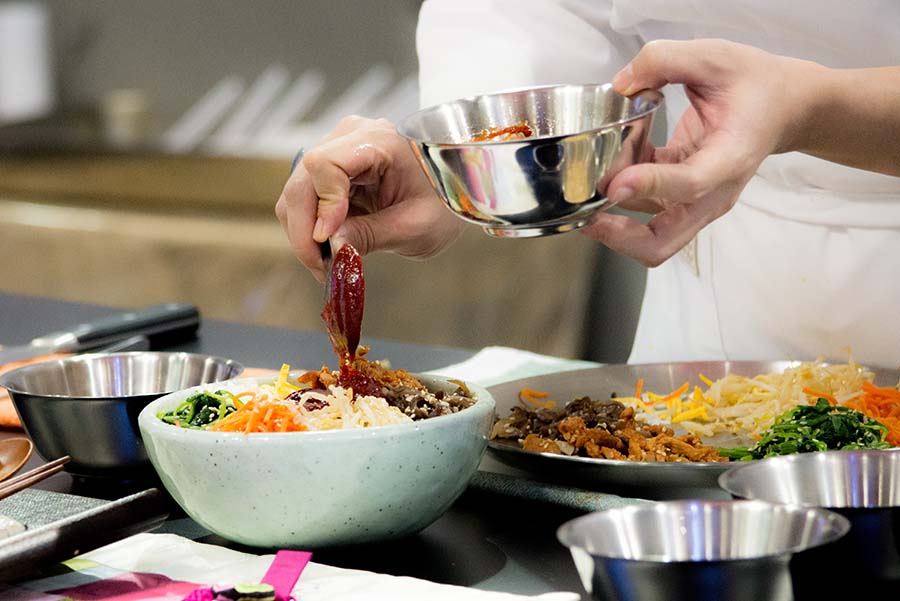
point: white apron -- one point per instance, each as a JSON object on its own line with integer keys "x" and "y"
{"x": 808, "y": 261}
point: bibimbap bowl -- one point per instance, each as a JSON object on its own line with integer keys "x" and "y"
{"x": 317, "y": 489}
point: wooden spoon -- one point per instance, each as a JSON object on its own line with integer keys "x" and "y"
{"x": 14, "y": 452}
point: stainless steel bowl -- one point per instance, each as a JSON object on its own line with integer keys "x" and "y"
{"x": 553, "y": 181}
{"x": 863, "y": 486}
{"x": 87, "y": 406}
{"x": 698, "y": 550}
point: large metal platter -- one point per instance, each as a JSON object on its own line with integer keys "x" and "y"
{"x": 645, "y": 479}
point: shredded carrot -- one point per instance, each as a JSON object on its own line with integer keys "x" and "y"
{"x": 527, "y": 395}
{"x": 639, "y": 388}
{"x": 678, "y": 392}
{"x": 239, "y": 398}
{"x": 871, "y": 389}
{"x": 252, "y": 420}
{"x": 816, "y": 394}
{"x": 259, "y": 416}
{"x": 883, "y": 405}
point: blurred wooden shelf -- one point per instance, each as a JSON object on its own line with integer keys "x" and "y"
{"x": 147, "y": 181}
{"x": 133, "y": 229}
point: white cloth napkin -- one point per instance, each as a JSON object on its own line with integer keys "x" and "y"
{"x": 181, "y": 559}
{"x": 496, "y": 364}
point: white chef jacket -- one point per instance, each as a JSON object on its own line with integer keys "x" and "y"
{"x": 807, "y": 263}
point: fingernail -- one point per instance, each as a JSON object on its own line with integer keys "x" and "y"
{"x": 622, "y": 195}
{"x": 339, "y": 238}
{"x": 623, "y": 79}
{"x": 319, "y": 231}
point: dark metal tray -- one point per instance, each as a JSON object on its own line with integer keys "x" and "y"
{"x": 61, "y": 526}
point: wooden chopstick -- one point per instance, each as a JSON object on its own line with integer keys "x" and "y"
{"x": 23, "y": 481}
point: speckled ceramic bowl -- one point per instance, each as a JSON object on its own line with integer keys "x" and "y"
{"x": 319, "y": 489}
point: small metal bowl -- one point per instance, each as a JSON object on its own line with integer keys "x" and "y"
{"x": 553, "y": 181}
{"x": 697, "y": 550}
{"x": 87, "y": 406}
{"x": 864, "y": 487}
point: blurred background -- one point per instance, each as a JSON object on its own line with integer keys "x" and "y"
{"x": 143, "y": 146}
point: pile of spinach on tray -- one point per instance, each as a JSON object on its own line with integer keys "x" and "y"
{"x": 819, "y": 427}
{"x": 200, "y": 410}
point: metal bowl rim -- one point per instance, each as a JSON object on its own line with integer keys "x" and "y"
{"x": 87, "y": 357}
{"x": 839, "y": 524}
{"x": 655, "y": 96}
{"x": 724, "y": 479}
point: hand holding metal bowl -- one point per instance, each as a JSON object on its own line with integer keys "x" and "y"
{"x": 552, "y": 181}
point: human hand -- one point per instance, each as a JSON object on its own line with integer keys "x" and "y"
{"x": 743, "y": 106}
{"x": 364, "y": 186}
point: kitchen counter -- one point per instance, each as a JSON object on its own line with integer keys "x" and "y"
{"x": 486, "y": 540}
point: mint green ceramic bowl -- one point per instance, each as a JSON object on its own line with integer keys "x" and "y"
{"x": 318, "y": 489}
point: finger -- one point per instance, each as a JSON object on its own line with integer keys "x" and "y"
{"x": 334, "y": 166}
{"x": 353, "y": 123}
{"x": 692, "y": 194}
{"x": 662, "y": 62}
{"x": 398, "y": 229}
{"x": 641, "y": 202}
{"x": 641, "y": 205}
{"x": 667, "y": 232}
{"x": 650, "y": 186}
{"x": 665, "y": 184}
{"x": 296, "y": 210}
{"x": 653, "y": 243}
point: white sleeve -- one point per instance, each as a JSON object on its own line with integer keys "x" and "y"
{"x": 469, "y": 47}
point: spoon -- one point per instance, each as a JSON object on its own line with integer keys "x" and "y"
{"x": 14, "y": 452}
{"x": 343, "y": 317}
{"x": 346, "y": 288}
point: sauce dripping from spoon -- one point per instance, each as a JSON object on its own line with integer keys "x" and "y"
{"x": 343, "y": 318}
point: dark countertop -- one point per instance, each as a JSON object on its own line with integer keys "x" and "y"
{"x": 486, "y": 540}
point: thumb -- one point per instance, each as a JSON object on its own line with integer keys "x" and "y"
{"x": 329, "y": 215}
{"x": 662, "y": 62}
